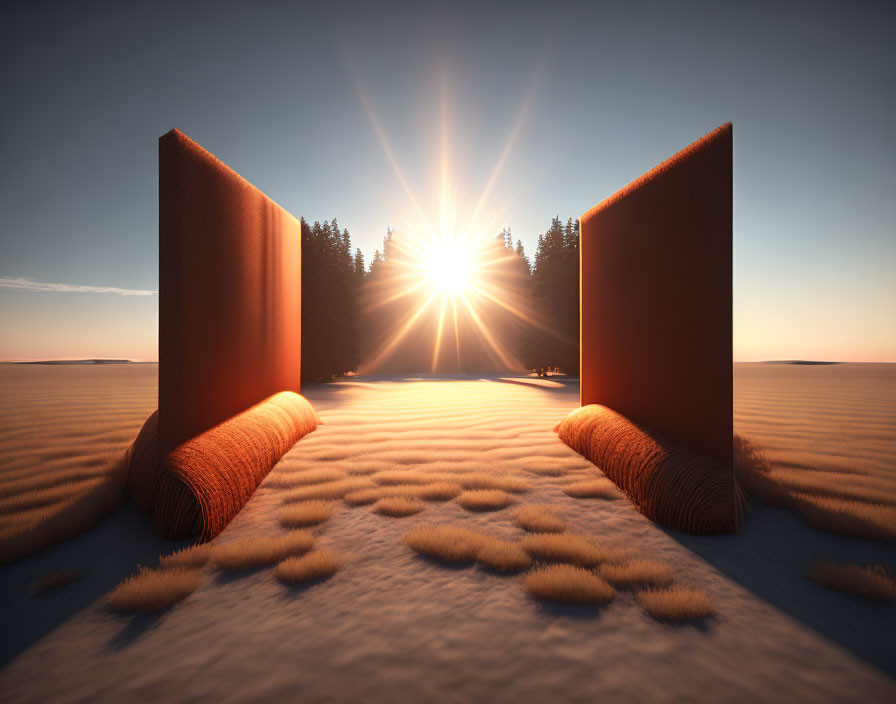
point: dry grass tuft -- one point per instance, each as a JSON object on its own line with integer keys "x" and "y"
{"x": 857, "y": 519}
{"x": 485, "y": 481}
{"x": 600, "y": 488}
{"x": 389, "y": 477}
{"x": 574, "y": 549}
{"x": 56, "y": 579}
{"x": 485, "y": 500}
{"x": 445, "y": 542}
{"x": 439, "y": 491}
{"x": 191, "y": 556}
{"x": 368, "y": 496}
{"x": 537, "y": 519}
{"x": 153, "y": 590}
{"x": 675, "y": 604}
{"x": 263, "y": 550}
{"x": 637, "y": 573}
{"x": 568, "y": 584}
{"x": 317, "y": 564}
{"x": 398, "y": 506}
{"x": 502, "y": 555}
{"x": 306, "y": 513}
{"x": 467, "y": 480}
{"x": 328, "y": 491}
{"x": 875, "y": 582}
{"x": 287, "y": 480}
{"x": 455, "y": 544}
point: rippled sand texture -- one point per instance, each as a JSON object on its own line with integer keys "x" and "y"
{"x": 829, "y": 431}
{"x": 61, "y": 429}
{"x": 395, "y": 626}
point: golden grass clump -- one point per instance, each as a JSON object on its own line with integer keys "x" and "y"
{"x": 568, "y": 584}
{"x": 455, "y": 544}
{"x": 875, "y": 582}
{"x": 306, "y": 513}
{"x": 538, "y": 519}
{"x": 405, "y": 476}
{"x": 439, "y": 491}
{"x": 153, "y": 590}
{"x": 328, "y": 491}
{"x": 574, "y": 549}
{"x": 485, "y": 499}
{"x": 502, "y": 555}
{"x": 205, "y": 482}
{"x": 445, "y": 542}
{"x": 247, "y": 553}
{"x": 637, "y": 573}
{"x": 398, "y": 506}
{"x": 190, "y": 556}
{"x": 599, "y": 488}
{"x": 668, "y": 482}
{"x": 317, "y": 564}
{"x": 287, "y": 480}
{"x": 857, "y": 519}
{"x": 56, "y": 579}
{"x": 484, "y": 481}
{"x": 675, "y": 604}
{"x": 467, "y": 480}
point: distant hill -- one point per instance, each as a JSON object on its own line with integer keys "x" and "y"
{"x": 82, "y": 361}
{"x": 796, "y": 361}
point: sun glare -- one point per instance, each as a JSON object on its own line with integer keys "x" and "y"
{"x": 444, "y": 266}
{"x": 449, "y": 267}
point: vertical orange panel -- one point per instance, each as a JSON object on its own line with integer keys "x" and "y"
{"x": 229, "y": 293}
{"x": 656, "y": 298}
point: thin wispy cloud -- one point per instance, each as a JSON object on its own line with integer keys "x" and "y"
{"x": 17, "y": 283}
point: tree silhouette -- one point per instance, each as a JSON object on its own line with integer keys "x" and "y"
{"x": 337, "y": 337}
{"x": 331, "y": 281}
{"x": 554, "y": 339}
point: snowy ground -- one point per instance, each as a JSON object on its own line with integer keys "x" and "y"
{"x": 393, "y": 627}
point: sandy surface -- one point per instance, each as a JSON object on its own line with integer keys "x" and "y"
{"x": 62, "y": 427}
{"x": 393, "y": 627}
{"x": 839, "y": 417}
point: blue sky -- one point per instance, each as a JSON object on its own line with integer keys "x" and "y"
{"x": 594, "y": 93}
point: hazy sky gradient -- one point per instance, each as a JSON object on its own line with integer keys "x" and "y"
{"x": 272, "y": 89}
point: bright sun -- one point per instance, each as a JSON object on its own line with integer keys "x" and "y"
{"x": 448, "y": 263}
{"x": 449, "y": 266}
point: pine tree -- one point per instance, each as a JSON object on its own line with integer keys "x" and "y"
{"x": 330, "y": 302}
{"x": 555, "y": 277}
{"x": 521, "y": 253}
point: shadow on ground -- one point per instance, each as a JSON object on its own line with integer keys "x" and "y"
{"x": 770, "y": 557}
{"x": 105, "y": 555}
